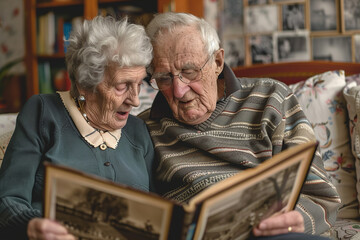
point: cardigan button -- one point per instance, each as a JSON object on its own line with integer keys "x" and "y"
{"x": 107, "y": 164}
{"x": 103, "y": 146}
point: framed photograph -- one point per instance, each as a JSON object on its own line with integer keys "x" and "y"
{"x": 91, "y": 207}
{"x": 233, "y": 18}
{"x": 323, "y": 15}
{"x": 350, "y": 15}
{"x": 261, "y": 49}
{"x": 332, "y": 48}
{"x": 291, "y": 46}
{"x": 293, "y": 16}
{"x": 234, "y": 47}
{"x": 261, "y": 19}
{"x": 356, "y": 48}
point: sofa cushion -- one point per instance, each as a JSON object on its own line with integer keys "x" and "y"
{"x": 324, "y": 105}
{"x": 352, "y": 96}
{"x": 7, "y": 125}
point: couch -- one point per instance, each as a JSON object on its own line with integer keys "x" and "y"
{"x": 329, "y": 93}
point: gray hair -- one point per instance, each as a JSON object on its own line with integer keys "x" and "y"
{"x": 170, "y": 20}
{"x": 103, "y": 42}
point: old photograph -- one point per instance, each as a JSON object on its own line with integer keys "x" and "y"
{"x": 234, "y": 47}
{"x": 233, "y": 18}
{"x": 356, "y": 49}
{"x": 332, "y": 48}
{"x": 289, "y": 46}
{"x": 261, "y": 19}
{"x": 324, "y": 15}
{"x": 261, "y": 49}
{"x": 293, "y": 16}
{"x": 350, "y": 15}
{"x": 92, "y": 214}
{"x": 253, "y": 202}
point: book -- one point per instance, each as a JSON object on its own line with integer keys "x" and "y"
{"x": 94, "y": 208}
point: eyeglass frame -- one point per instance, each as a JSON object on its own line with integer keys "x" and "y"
{"x": 172, "y": 76}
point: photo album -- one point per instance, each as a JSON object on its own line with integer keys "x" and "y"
{"x": 94, "y": 208}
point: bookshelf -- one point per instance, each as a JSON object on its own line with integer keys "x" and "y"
{"x": 39, "y": 61}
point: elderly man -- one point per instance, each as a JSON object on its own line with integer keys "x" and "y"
{"x": 208, "y": 125}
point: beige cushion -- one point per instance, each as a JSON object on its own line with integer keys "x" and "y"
{"x": 352, "y": 96}
{"x": 323, "y": 102}
{"x": 7, "y": 125}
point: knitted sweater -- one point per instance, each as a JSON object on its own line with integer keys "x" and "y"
{"x": 45, "y": 131}
{"x": 258, "y": 119}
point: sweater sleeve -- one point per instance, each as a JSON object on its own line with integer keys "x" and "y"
{"x": 319, "y": 200}
{"x": 19, "y": 195}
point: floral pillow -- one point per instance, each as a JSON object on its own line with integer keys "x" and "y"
{"x": 7, "y": 125}
{"x": 322, "y": 100}
{"x": 352, "y": 96}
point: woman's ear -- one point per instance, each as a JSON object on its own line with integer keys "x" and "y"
{"x": 219, "y": 60}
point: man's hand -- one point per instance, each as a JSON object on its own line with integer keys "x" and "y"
{"x": 46, "y": 229}
{"x": 279, "y": 224}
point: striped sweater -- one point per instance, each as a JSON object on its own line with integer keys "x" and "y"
{"x": 258, "y": 119}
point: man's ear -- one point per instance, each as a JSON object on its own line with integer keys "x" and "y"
{"x": 219, "y": 60}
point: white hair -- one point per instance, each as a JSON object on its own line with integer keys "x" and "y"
{"x": 170, "y": 20}
{"x": 103, "y": 42}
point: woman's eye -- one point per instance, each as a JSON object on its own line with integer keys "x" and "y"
{"x": 121, "y": 87}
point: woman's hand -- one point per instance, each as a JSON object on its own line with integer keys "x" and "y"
{"x": 279, "y": 224}
{"x": 46, "y": 229}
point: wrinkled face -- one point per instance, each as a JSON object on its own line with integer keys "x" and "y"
{"x": 109, "y": 106}
{"x": 176, "y": 52}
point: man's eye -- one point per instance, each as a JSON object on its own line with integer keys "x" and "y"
{"x": 164, "y": 78}
{"x": 188, "y": 73}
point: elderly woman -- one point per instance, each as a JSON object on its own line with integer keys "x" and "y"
{"x": 88, "y": 128}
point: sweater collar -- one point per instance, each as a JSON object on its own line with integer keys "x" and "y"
{"x": 93, "y": 136}
{"x": 160, "y": 108}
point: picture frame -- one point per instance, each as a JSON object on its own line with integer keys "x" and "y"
{"x": 261, "y": 19}
{"x": 350, "y": 15}
{"x": 232, "y": 17}
{"x": 75, "y": 200}
{"x": 291, "y": 46}
{"x": 336, "y": 48}
{"x": 234, "y": 46}
{"x": 324, "y": 16}
{"x": 261, "y": 49}
{"x": 356, "y": 48}
{"x": 293, "y": 16}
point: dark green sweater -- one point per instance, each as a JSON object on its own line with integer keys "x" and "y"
{"x": 45, "y": 132}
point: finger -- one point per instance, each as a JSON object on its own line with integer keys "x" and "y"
{"x": 40, "y": 228}
{"x": 283, "y": 221}
{"x": 280, "y": 224}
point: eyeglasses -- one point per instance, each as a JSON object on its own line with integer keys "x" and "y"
{"x": 162, "y": 82}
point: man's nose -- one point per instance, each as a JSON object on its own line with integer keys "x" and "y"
{"x": 179, "y": 87}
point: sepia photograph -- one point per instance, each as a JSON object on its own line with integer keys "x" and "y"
{"x": 233, "y": 18}
{"x": 291, "y": 46}
{"x": 225, "y": 216}
{"x": 234, "y": 47}
{"x": 293, "y": 16}
{"x": 261, "y": 49}
{"x": 350, "y": 15}
{"x": 261, "y": 19}
{"x": 356, "y": 51}
{"x": 332, "y": 48}
{"x": 324, "y": 15}
{"x": 94, "y": 209}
